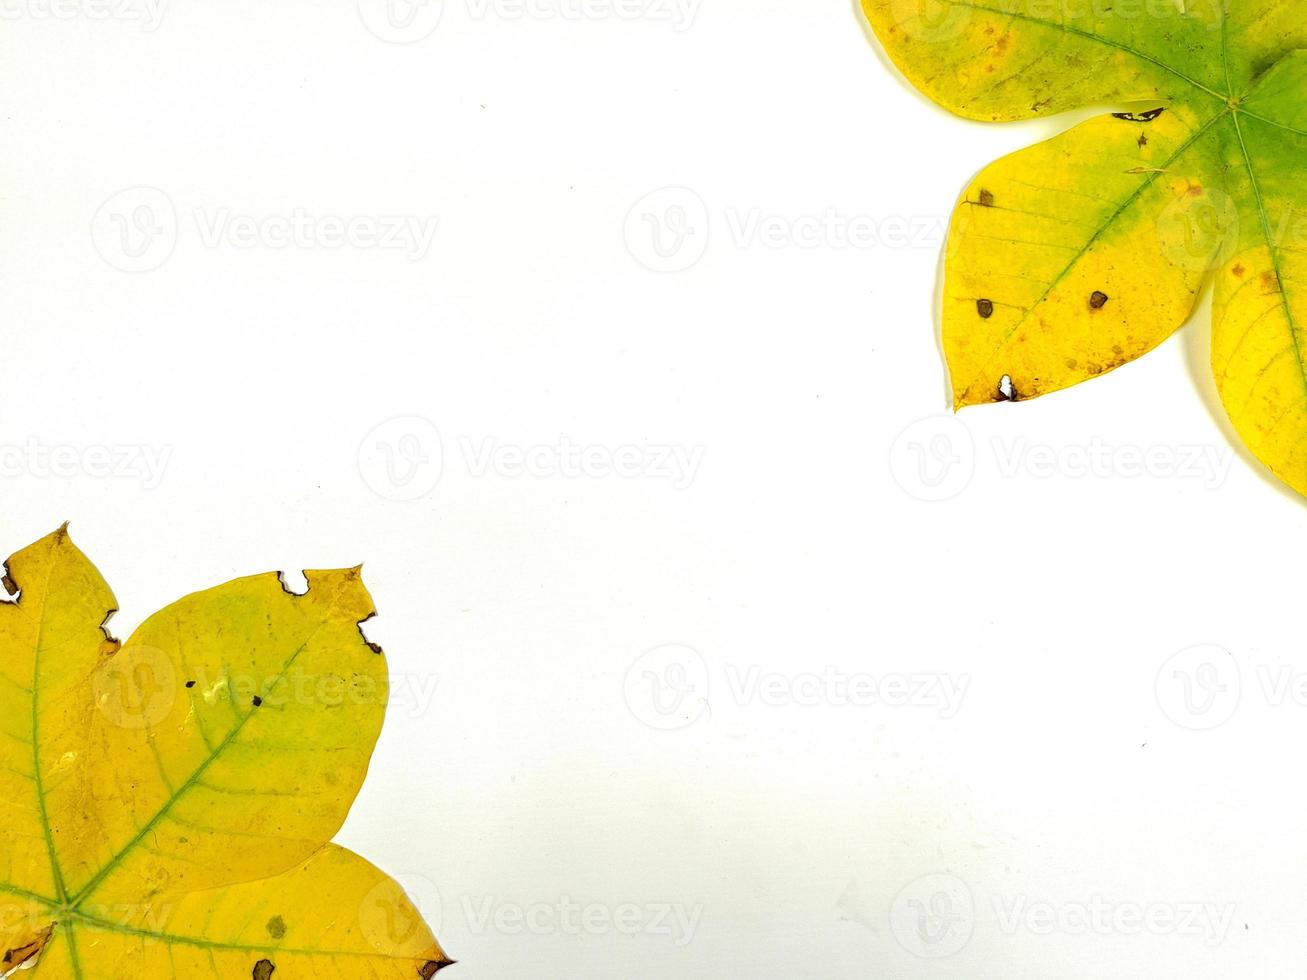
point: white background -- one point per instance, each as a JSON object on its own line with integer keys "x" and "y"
{"x": 537, "y": 756}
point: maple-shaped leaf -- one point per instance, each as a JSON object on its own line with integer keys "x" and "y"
{"x": 1066, "y": 260}
{"x": 166, "y": 803}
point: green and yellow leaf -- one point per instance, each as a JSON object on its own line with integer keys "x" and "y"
{"x": 162, "y": 795}
{"x": 1074, "y": 257}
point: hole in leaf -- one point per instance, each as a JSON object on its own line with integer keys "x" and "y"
{"x": 293, "y": 583}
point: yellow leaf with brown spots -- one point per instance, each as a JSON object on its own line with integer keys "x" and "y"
{"x": 168, "y": 801}
{"x": 1074, "y": 257}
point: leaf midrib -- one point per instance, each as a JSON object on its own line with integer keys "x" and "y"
{"x": 38, "y": 781}
{"x": 1265, "y": 218}
{"x": 1272, "y": 250}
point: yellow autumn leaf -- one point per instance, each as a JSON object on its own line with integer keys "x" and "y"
{"x": 167, "y": 802}
{"x": 1074, "y": 257}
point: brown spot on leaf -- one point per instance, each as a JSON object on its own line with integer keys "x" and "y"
{"x": 276, "y": 927}
{"x": 1238, "y": 270}
{"x": 1098, "y": 300}
{"x": 1071, "y": 363}
{"x": 1195, "y": 190}
{"x": 263, "y": 970}
{"x": 431, "y": 967}
{"x": 985, "y": 307}
{"x": 1142, "y": 141}
{"x": 1270, "y": 283}
{"x": 986, "y": 198}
